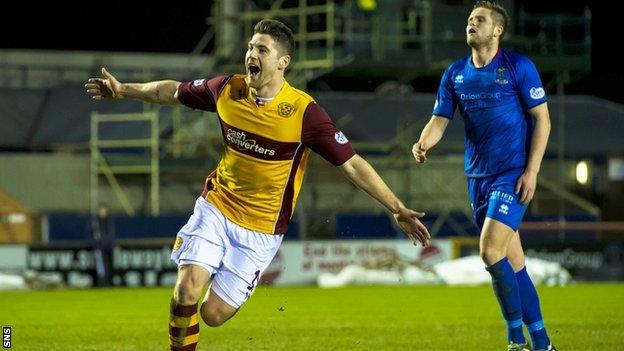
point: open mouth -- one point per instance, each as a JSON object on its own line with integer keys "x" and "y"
{"x": 254, "y": 70}
{"x": 472, "y": 31}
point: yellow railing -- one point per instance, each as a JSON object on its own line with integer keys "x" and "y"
{"x": 103, "y": 165}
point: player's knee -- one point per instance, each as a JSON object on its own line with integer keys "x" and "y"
{"x": 517, "y": 263}
{"x": 187, "y": 293}
{"x": 212, "y": 318}
{"x": 214, "y": 314}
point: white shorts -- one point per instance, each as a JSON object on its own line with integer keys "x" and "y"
{"x": 233, "y": 255}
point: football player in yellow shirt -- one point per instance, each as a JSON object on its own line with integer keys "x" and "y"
{"x": 239, "y": 220}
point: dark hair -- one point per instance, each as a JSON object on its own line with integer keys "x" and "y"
{"x": 499, "y": 14}
{"x": 279, "y": 32}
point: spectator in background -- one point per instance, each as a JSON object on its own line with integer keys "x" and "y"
{"x": 103, "y": 235}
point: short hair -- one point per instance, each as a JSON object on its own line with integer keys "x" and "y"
{"x": 280, "y": 32}
{"x": 499, "y": 14}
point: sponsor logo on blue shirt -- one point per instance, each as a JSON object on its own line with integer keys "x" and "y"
{"x": 537, "y": 93}
{"x": 479, "y": 96}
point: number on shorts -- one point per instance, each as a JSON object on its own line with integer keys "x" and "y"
{"x": 253, "y": 284}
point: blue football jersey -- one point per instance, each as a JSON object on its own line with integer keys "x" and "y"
{"x": 493, "y": 101}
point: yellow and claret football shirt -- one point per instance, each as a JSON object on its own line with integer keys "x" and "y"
{"x": 258, "y": 179}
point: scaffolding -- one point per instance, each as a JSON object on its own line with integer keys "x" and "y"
{"x": 113, "y": 157}
{"x": 327, "y": 34}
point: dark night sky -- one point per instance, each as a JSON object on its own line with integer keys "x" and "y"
{"x": 171, "y": 27}
{"x": 161, "y": 26}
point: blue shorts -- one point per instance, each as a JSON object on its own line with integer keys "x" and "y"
{"x": 495, "y": 197}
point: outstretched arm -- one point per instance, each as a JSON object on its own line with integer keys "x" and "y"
{"x": 431, "y": 134}
{"x": 362, "y": 174}
{"x": 528, "y": 181}
{"x": 159, "y": 92}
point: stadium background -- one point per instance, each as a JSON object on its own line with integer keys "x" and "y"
{"x": 374, "y": 66}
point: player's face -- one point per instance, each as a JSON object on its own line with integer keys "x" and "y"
{"x": 263, "y": 60}
{"x": 480, "y": 28}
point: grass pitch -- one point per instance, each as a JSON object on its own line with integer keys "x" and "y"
{"x": 580, "y": 317}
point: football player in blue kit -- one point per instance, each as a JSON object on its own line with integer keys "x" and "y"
{"x": 500, "y": 97}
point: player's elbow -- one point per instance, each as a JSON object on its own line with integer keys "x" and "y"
{"x": 542, "y": 127}
{"x": 546, "y": 122}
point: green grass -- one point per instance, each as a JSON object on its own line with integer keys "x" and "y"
{"x": 580, "y": 317}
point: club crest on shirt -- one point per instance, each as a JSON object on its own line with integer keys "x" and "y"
{"x": 178, "y": 243}
{"x": 500, "y": 72}
{"x": 285, "y": 109}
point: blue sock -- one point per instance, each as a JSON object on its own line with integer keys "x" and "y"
{"x": 506, "y": 291}
{"x": 531, "y": 312}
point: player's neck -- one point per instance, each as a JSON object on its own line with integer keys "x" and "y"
{"x": 482, "y": 56}
{"x": 269, "y": 90}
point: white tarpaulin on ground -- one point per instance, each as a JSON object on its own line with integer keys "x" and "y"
{"x": 468, "y": 270}
{"x": 471, "y": 270}
{"x": 300, "y": 262}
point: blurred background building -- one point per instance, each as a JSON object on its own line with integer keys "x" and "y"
{"x": 374, "y": 66}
